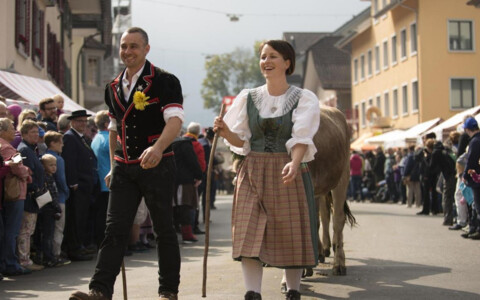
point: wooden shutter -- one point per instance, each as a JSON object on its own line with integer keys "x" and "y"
{"x": 28, "y": 18}
{"x": 42, "y": 38}
{"x": 34, "y": 29}
{"x": 17, "y": 22}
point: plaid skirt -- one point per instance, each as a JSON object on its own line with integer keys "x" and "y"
{"x": 271, "y": 221}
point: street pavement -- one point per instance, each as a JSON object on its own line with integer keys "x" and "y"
{"x": 391, "y": 254}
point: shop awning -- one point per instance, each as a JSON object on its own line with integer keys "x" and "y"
{"x": 359, "y": 143}
{"x": 32, "y": 90}
{"x": 451, "y": 124}
{"x": 414, "y": 134}
{"x": 391, "y": 139}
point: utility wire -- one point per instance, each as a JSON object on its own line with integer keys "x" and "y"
{"x": 244, "y": 14}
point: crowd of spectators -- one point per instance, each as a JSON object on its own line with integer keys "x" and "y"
{"x": 441, "y": 178}
{"x": 63, "y": 158}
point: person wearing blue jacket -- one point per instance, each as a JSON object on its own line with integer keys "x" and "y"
{"x": 471, "y": 128}
{"x": 54, "y": 142}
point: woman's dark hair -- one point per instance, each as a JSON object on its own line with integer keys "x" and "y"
{"x": 285, "y": 49}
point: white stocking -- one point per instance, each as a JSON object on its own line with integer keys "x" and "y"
{"x": 293, "y": 277}
{"x": 252, "y": 274}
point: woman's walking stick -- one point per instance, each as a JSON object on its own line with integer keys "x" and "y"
{"x": 124, "y": 280}
{"x": 207, "y": 207}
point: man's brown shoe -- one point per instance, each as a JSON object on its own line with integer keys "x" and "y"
{"x": 168, "y": 296}
{"x": 92, "y": 295}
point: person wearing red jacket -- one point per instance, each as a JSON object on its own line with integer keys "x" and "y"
{"x": 193, "y": 130}
{"x": 356, "y": 166}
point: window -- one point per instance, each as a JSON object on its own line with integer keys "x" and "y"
{"x": 395, "y": 103}
{"x": 403, "y": 43}
{"x": 386, "y": 104}
{"x": 384, "y": 3}
{"x": 370, "y": 102}
{"x": 370, "y": 62}
{"x": 364, "y": 111}
{"x": 93, "y": 71}
{"x": 385, "y": 55}
{"x": 413, "y": 38}
{"x": 375, "y": 6}
{"x": 378, "y": 101}
{"x": 404, "y": 100}
{"x": 460, "y": 35}
{"x": 355, "y": 70}
{"x": 377, "y": 59}
{"x": 462, "y": 93}
{"x": 362, "y": 67}
{"x": 394, "y": 49}
{"x": 415, "y": 96}
{"x": 22, "y": 26}
{"x": 55, "y": 59}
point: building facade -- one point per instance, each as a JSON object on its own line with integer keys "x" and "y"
{"x": 49, "y": 40}
{"x": 413, "y": 61}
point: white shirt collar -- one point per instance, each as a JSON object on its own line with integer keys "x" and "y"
{"x": 125, "y": 83}
{"x": 80, "y": 134}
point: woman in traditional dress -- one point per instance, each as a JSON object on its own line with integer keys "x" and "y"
{"x": 273, "y": 219}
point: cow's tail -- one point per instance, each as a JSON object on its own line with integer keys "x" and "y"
{"x": 349, "y": 215}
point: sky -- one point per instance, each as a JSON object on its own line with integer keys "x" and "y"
{"x": 183, "y": 33}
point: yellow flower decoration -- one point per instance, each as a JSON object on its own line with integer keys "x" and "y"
{"x": 140, "y": 100}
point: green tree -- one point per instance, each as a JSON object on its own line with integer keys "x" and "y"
{"x": 228, "y": 74}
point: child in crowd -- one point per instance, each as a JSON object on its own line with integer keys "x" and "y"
{"x": 461, "y": 204}
{"x": 48, "y": 214}
{"x": 54, "y": 142}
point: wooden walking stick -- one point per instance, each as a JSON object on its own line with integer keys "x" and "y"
{"x": 207, "y": 206}
{"x": 124, "y": 280}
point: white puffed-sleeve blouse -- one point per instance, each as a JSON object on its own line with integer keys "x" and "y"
{"x": 305, "y": 117}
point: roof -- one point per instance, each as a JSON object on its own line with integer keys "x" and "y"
{"x": 92, "y": 43}
{"x": 331, "y": 64}
{"x": 301, "y": 41}
{"x": 353, "y": 23}
{"x": 356, "y": 25}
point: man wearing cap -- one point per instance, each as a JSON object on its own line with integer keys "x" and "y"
{"x": 471, "y": 128}
{"x": 145, "y": 107}
{"x": 82, "y": 178}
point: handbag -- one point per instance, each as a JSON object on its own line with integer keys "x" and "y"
{"x": 44, "y": 199}
{"x": 11, "y": 188}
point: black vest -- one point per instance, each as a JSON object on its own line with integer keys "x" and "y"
{"x": 139, "y": 129}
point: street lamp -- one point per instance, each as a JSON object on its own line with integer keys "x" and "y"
{"x": 233, "y": 17}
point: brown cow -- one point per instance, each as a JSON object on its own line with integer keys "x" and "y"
{"x": 330, "y": 172}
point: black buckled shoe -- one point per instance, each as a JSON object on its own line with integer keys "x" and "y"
{"x": 167, "y": 296}
{"x": 92, "y": 295}
{"x": 293, "y": 295}
{"x": 251, "y": 295}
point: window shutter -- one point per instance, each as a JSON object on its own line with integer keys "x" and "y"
{"x": 42, "y": 38}
{"x": 50, "y": 50}
{"x": 61, "y": 75}
{"x": 27, "y": 27}
{"x": 17, "y": 22}
{"x": 34, "y": 28}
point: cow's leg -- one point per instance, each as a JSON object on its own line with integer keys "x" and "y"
{"x": 324, "y": 208}
{"x": 339, "y": 199}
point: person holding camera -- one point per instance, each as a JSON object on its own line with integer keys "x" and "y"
{"x": 12, "y": 208}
